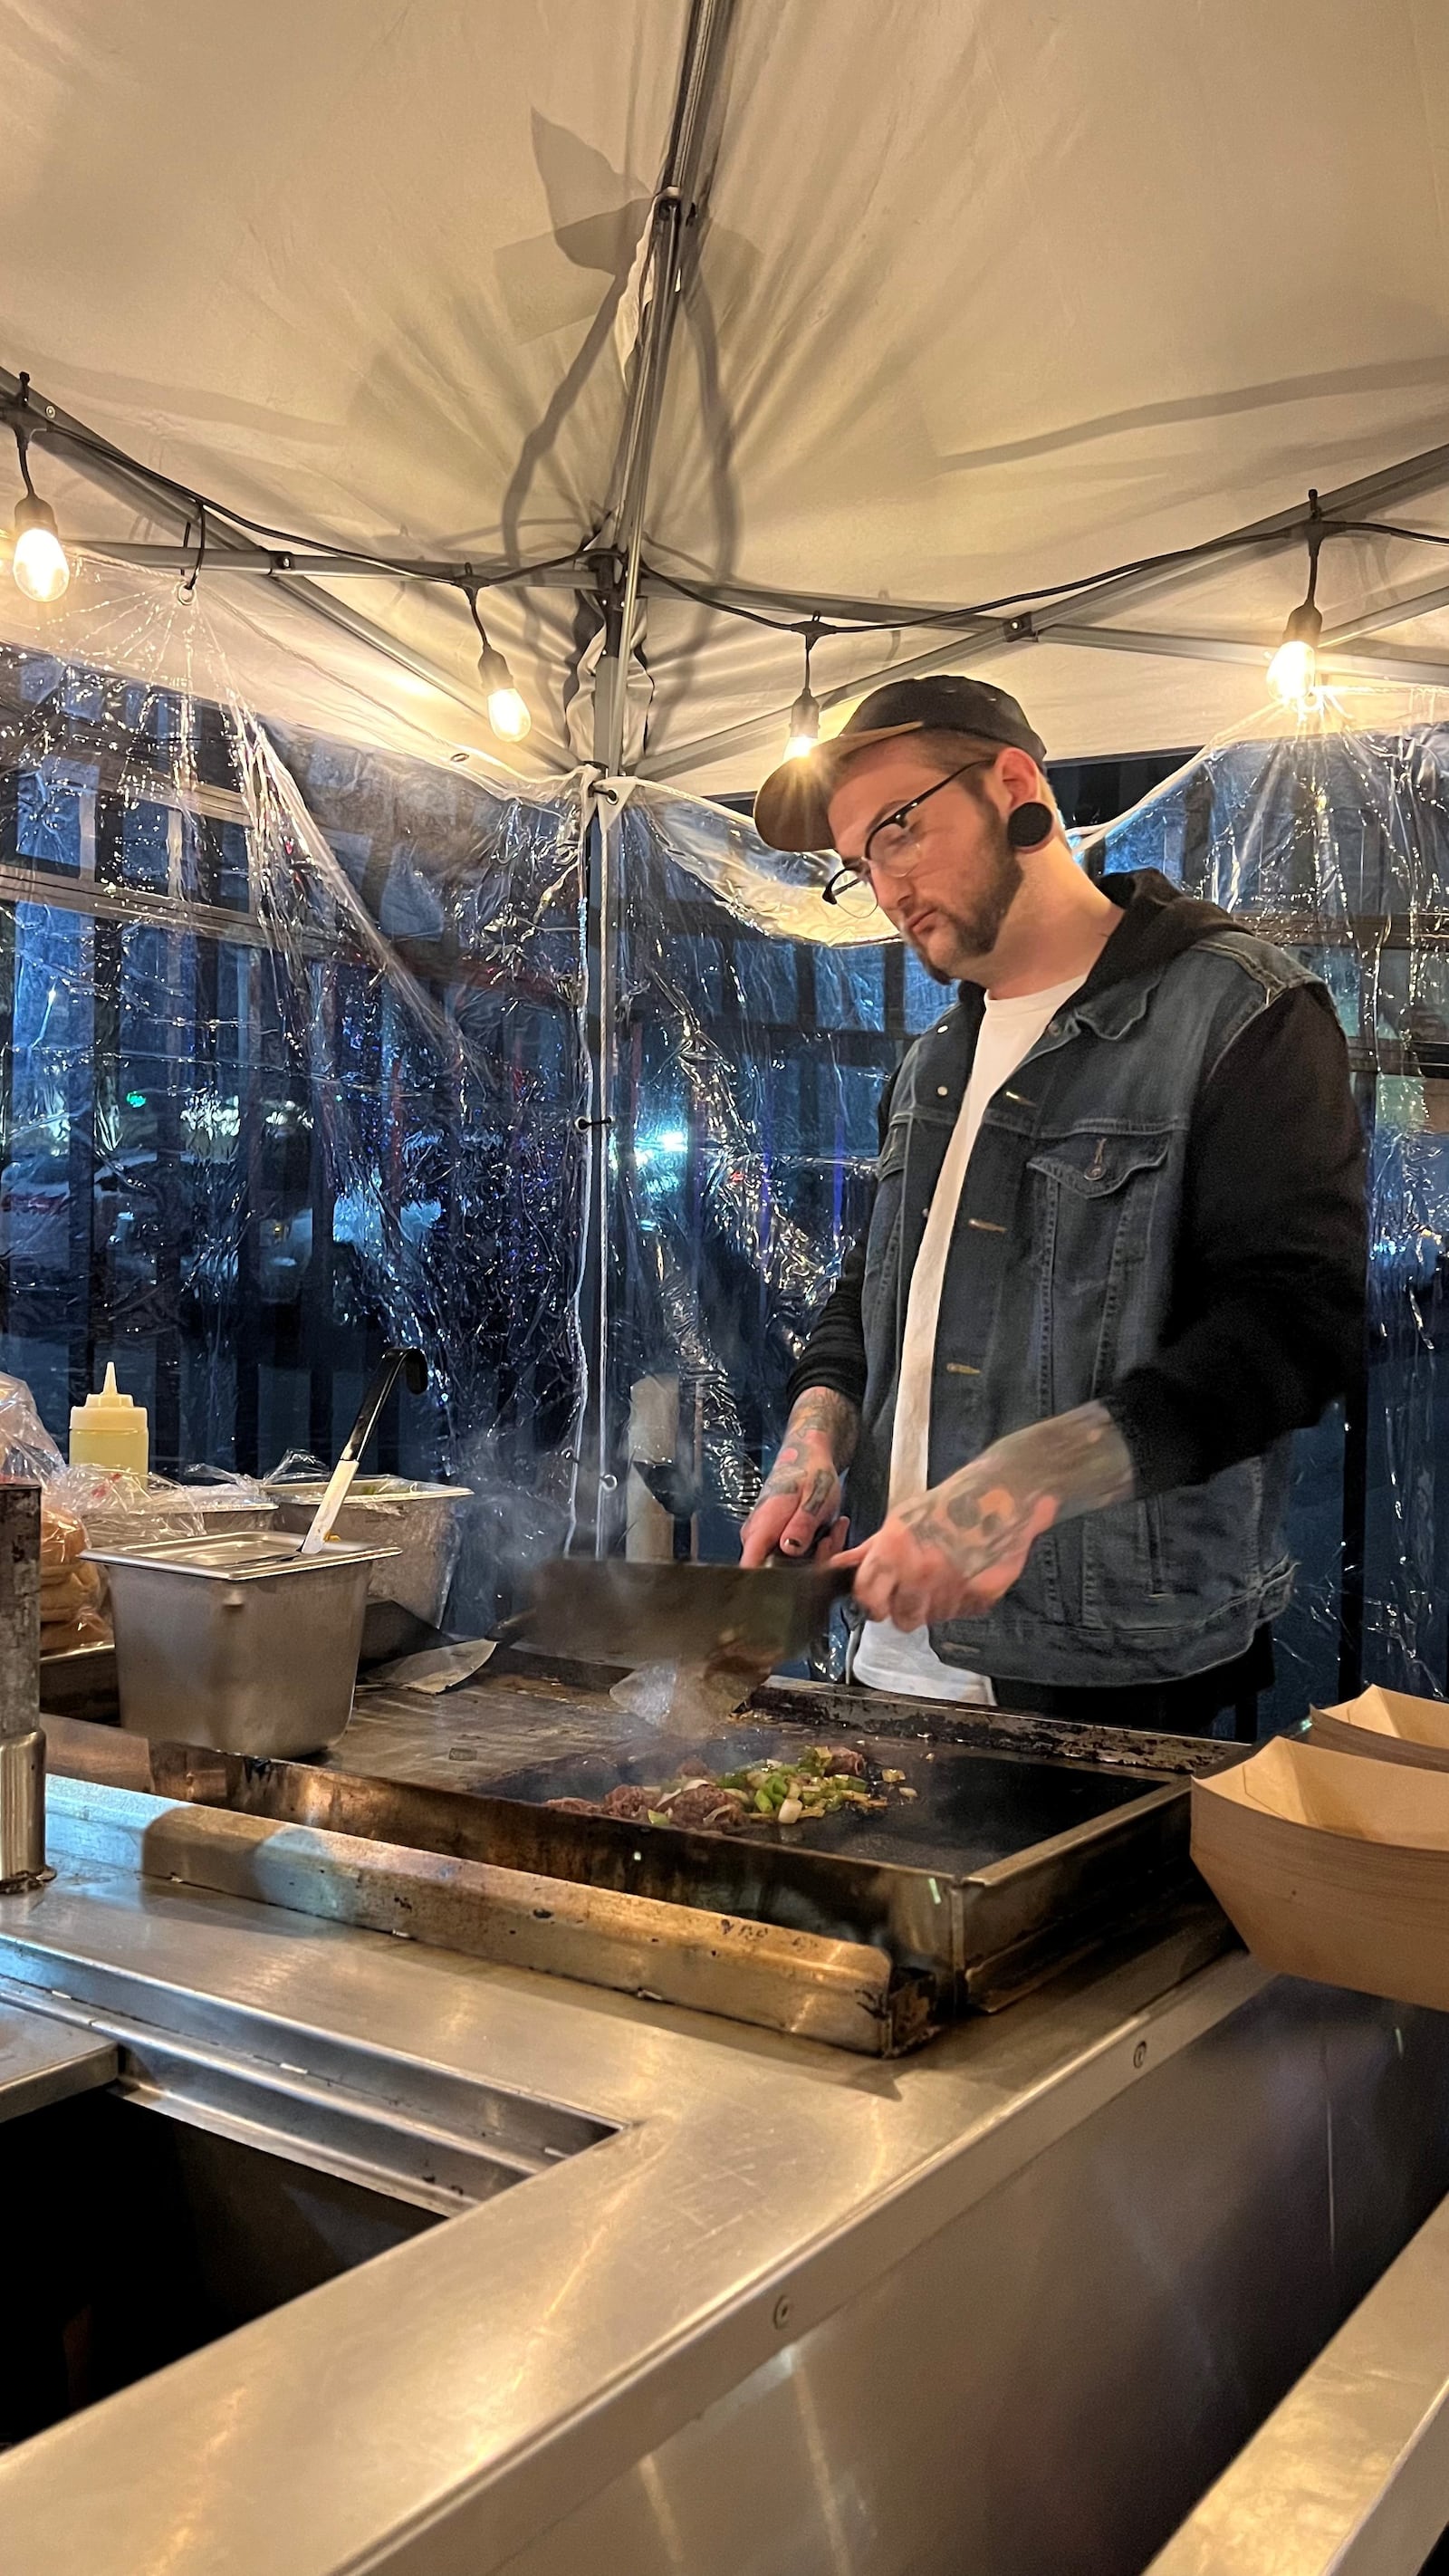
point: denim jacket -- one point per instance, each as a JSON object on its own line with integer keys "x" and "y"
{"x": 1059, "y": 1280}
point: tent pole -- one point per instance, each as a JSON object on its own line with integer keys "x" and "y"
{"x": 1405, "y": 670}
{"x": 1389, "y": 612}
{"x": 601, "y": 951}
{"x": 673, "y": 248}
{"x": 673, "y": 235}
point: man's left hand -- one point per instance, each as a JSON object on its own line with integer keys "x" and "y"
{"x": 952, "y": 1553}
{"x": 915, "y": 1571}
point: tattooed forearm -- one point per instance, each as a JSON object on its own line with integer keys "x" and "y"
{"x": 820, "y": 1419}
{"x": 801, "y": 1500}
{"x": 1078, "y": 1462}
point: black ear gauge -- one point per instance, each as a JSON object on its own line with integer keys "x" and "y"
{"x": 1027, "y": 826}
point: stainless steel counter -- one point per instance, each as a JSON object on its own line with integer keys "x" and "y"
{"x": 43, "y": 2062}
{"x": 1350, "y": 2475}
{"x": 1007, "y": 2308}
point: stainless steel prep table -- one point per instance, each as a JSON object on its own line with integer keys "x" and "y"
{"x": 1004, "y": 2308}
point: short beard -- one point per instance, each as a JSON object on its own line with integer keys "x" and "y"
{"x": 978, "y": 930}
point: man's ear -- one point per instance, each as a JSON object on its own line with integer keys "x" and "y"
{"x": 1019, "y": 775}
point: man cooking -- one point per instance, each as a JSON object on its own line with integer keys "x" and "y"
{"x": 1115, "y": 1253}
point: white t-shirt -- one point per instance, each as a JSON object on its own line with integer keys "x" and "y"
{"x": 896, "y": 1659}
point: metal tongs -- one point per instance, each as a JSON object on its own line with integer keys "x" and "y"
{"x": 415, "y": 1369}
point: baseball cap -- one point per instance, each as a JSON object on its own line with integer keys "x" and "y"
{"x": 791, "y": 808}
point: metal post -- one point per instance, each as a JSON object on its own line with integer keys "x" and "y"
{"x": 1353, "y": 1578}
{"x": 22, "y": 1745}
{"x": 675, "y": 207}
{"x": 597, "y": 1445}
{"x": 674, "y": 227}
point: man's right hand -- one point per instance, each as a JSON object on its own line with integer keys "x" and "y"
{"x": 799, "y": 1506}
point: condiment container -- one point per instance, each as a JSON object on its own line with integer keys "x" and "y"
{"x": 110, "y": 1430}
{"x": 416, "y": 1526}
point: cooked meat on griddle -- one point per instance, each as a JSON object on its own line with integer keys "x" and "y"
{"x": 703, "y": 1806}
{"x": 629, "y": 1804}
{"x": 820, "y": 1783}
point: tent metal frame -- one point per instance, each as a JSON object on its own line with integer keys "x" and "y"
{"x": 76, "y": 444}
{"x": 670, "y": 257}
{"x": 613, "y": 566}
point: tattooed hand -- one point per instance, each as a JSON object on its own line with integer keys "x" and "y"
{"x": 953, "y": 1552}
{"x": 802, "y": 1494}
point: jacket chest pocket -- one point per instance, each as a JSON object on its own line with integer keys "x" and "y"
{"x": 1103, "y": 1256}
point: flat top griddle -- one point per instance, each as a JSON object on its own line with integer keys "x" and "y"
{"x": 971, "y": 1807}
{"x": 1028, "y": 1843}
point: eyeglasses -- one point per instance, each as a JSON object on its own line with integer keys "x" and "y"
{"x": 890, "y": 846}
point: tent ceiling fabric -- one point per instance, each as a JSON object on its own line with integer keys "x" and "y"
{"x": 988, "y": 293}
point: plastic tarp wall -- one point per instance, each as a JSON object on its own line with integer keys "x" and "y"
{"x": 751, "y": 1058}
{"x": 291, "y": 1065}
{"x": 293, "y": 1060}
{"x": 1335, "y": 841}
{"x": 754, "y": 1033}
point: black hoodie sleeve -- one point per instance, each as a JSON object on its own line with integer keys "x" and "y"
{"x": 834, "y": 1351}
{"x": 1268, "y": 1317}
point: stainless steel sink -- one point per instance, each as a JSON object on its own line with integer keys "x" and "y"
{"x": 230, "y": 2164}
{"x": 415, "y": 2131}
{"x": 146, "y": 2238}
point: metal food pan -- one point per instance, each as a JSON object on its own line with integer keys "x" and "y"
{"x": 79, "y": 1683}
{"x": 241, "y": 1643}
{"x": 415, "y": 1526}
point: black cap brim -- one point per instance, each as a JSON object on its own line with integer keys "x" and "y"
{"x": 792, "y": 809}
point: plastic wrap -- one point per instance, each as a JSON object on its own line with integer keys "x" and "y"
{"x": 26, "y": 1447}
{"x": 1333, "y": 838}
{"x": 291, "y": 1062}
{"x": 755, "y": 1031}
{"x": 294, "y": 1062}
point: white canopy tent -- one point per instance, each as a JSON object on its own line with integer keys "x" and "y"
{"x": 941, "y": 300}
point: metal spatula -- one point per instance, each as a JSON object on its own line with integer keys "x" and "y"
{"x": 380, "y": 1387}
{"x": 627, "y": 1610}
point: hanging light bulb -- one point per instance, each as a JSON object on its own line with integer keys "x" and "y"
{"x": 507, "y": 706}
{"x": 1293, "y": 671}
{"x": 805, "y": 713}
{"x": 39, "y": 562}
{"x": 804, "y": 726}
{"x": 37, "y": 557}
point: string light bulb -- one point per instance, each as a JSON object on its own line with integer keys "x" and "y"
{"x": 1293, "y": 671}
{"x": 507, "y": 706}
{"x": 39, "y": 560}
{"x": 805, "y": 713}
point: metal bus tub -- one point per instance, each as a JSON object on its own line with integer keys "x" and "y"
{"x": 240, "y": 1644}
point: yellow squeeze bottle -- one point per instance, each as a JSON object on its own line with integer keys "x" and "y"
{"x": 110, "y": 1430}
